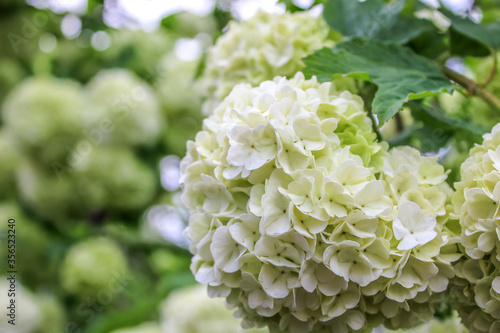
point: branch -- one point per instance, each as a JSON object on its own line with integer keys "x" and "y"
{"x": 492, "y": 71}
{"x": 473, "y": 88}
{"x": 374, "y": 125}
{"x": 368, "y": 98}
{"x": 399, "y": 122}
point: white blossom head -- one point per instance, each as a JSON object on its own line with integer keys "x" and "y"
{"x": 91, "y": 266}
{"x": 85, "y": 184}
{"x": 476, "y": 202}
{"x": 123, "y": 109}
{"x": 259, "y": 49}
{"x": 43, "y": 115}
{"x": 304, "y": 222}
{"x": 32, "y": 314}
{"x": 190, "y": 310}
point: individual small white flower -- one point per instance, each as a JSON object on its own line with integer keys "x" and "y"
{"x": 371, "y": 199}
{"x": 250, "y": 148}
{"x": 335, "y": 200}
{"x": 412, "y": 227}
{"x": 347, "y": 261}
{"x": 216, "y": 198}
{"x": 225, "y": 250}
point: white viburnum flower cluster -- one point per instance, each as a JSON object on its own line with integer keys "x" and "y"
{"x": 306, "y": 223}
{"x": 259, "y": 49}
{"x": 476, "y": 202}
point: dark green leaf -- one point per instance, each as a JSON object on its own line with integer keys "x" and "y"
{"x": 487, "y": 35}
{"x": 438, "y": 118}
{"x": 373, "y": 19}
{"x": 429, "y": 44}
{"x": 400, "y": 74}
{"x": 464, "y": 46}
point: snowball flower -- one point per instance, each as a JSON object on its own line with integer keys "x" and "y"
{"x": 32, "y": 313}
{"x": 122, "y": 109}
{"x": 299, "y": 217}
{"x": 92, "y": 266}
{"x": 260, "y": 48}
{"x": 85, "y": 184}
{"x": 476, "y": 203}
{"x": 190, "y": 310}
{"x": 44, "y": 116}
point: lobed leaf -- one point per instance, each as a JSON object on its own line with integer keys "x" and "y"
{"x": 400, "y": 74}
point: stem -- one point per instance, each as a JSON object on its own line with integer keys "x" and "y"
{"x": 367, "y": 97}
{"x": 473, "y": 88}
{"x": 492, "y": 71}
{"x": 399, "y": 122}
{"x": 374, "y": 125}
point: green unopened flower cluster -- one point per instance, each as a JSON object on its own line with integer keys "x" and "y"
{"x": 65, "y": 137}
{"x": 93, "y": 266}
{"x": 259, "y": 49}
{"x": 476, "y": 202}
{"x": 43, "y": 114}
{"x": 307, "y": 224}
{"x": 190, "y": 310}
{"x": 126, "y": 105}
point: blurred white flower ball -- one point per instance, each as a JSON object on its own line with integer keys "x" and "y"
{"x": 85, "y": 185}
{"x": 190, "y": 310}
{"x": 42, "y": 114}
{"x": 259, "y": 49}
{"x": 26, "y": 306}
{"x": 92, "y": 267}
{"x": 122, "y": 109}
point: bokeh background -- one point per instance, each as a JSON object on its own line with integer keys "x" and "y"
{"x": 97, "y": 101}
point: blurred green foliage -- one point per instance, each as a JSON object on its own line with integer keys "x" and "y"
{"x": 82, "y": 134}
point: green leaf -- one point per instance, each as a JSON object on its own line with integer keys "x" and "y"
{"x": 399, "y": 73}
{"x": 487, "y": 35}
{"x": 429, "y": 44}
{"x": 373, "y": 19}
{"x": 464, "y": 46}
{"x": 438, "y": 118}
